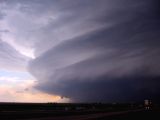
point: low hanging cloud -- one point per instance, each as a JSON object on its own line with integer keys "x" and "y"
{"x": 116, "y": 62}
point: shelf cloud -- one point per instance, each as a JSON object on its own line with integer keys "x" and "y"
{"x": 90, "y": 50}
{"x": 118, "y": 60}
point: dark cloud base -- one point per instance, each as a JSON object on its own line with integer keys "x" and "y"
{"x": 119, "y": 63}
{"x": 103, "y": 89}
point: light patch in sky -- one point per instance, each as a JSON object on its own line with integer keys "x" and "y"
{"x": 21, "y": 75}
{"x": 8, "y": 38}
{"x": 12, "y": 35}
{"x": 14, "y": 89}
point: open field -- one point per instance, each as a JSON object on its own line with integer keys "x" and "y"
{"x": 53, "y": 111}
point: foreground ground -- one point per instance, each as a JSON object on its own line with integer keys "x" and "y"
{"x": 76, "y": 112}
{"x": 134, "y": 115}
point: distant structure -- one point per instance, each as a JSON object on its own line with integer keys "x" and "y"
{"x": 147, "y": 104}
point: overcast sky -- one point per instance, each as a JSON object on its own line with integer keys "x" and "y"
{"x": 79, "y": 50}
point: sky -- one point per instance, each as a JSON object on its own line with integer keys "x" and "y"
{"x": 79, "y": 50}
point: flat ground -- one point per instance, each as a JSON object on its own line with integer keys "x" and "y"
{"x": 126, "y": 115}
{"x": 76, "y": 112}
{"x": 134, "y": 115}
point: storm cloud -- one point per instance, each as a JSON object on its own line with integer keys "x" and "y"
{"x": 10, "y": 59}
{"x": 116, "y": 61}
{"x": 88, "y": 50}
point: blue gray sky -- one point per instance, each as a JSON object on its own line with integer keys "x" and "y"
{"x": 80, "y": 50}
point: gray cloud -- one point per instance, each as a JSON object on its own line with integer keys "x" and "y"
{"x": 10, "y": 59}
{"x": 104, "y": 89}
{"x": 1, "y": 15}
{"x": 56, "y": 18}
{"x": 119, "y": 61}
{"x": 89, "y": 50}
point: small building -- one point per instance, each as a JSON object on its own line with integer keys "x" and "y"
{"x": 147, "y": 104}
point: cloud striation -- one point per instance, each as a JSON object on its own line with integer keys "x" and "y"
{"x": 99, "y": 51}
